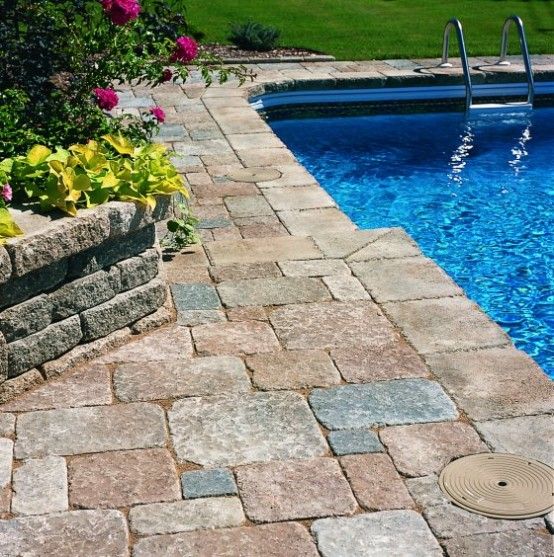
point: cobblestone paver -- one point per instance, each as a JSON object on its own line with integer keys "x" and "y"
{"x": 317, "y": 378}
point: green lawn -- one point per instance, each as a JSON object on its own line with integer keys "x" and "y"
{"x": 367, "y": 29}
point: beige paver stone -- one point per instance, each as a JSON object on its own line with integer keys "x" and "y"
{"x": 331, "y": 325}
{"x": 183, "y": 274}
{"x": 6, "y": 457}
{"x": 182, "y": 516}
{"x": 265, "y": 220}
{"x": 392, "y": 360}
{"x": 223, "y": 190}
{"x": 343, "y": 244}
{"x": 7, "y": 424}
{"x": 376, "y": 483}
{"x": 40, "y": 486}
{"x": 241, "y": 271}
{"x": 266, "y": 157}
{"x": 271, "y": 540}
{"x": 288, "y": 490}
{"x": 494, "y": 383}
{"x": 445, "y": 324}
{"x": 247, "y": 313}
{"x": 423, "y": 449}
{"x": 229, "y": 431}
{"x": 292, "y": 175}
{"x": 85, "y": 386}
{"x": 70, "y": 431}
{"x": 300, "y": 197}
{"x": 299, "y": 369}
{"x": 259, "y": 250}
{"x": 409, "y": 278}
{"x": 122, "y": 478}
{"x": 234, "y": 337}
{"x": 313, "y": 221}
{"x": 396, "y": 243}
{"x": 269, "y": 230}
{"x": 253, "y": 140}
{"x": 69, "y": 534}
{"x": 247, "y": 206}
{"x": 169, "y": 343}
{"x": 345, "y": 288}
{"x": 272, "y": 291}
{"x": 164, "y": 380}
{"x": 314, "y": 268}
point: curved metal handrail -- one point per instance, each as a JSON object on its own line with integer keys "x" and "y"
{"x": 456, "y": 24}
{"x": 524, "y": 52}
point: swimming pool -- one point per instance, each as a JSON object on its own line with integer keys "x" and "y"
{"x": 477, "y": 194}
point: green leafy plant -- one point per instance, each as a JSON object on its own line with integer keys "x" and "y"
{"x": 254, "y": 36}
{"x": 8, "y": 227}
{"x": 181, "y": 230}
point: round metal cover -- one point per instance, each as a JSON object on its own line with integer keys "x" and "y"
{"x": 254, "y": 174}
{"x": 499, "y": 485}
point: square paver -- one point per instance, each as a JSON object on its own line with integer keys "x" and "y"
{"x": 344, "y": 244}
{"x": 278, "y": 491}
{"x": 295, "y": 198}
{"x": 195, "y": 297}
{"x": 314, "y": 268}
{"x": 213, "y": 482}
{"x": 354, "y": 441}
{"x": 403, "y": 401}
{"x": 395, "y": 243}
{"x": 345, "y": 288}
{"x": 313, "y": 221}
{"x": 248, "y": 205}
{"x": 251, "y": 428}
{"x": 240, "y": 271}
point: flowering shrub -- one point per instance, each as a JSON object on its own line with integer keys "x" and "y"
{"x": 121, "y": 11}
{"x": 106, "y": 99}
{"x": 186, "y": 50}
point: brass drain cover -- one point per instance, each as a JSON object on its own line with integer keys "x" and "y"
{"x": 499, "y": 485}
{"x": 254, "y": 174}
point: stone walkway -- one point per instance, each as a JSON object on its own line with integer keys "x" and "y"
{"x": 317, "y": 380}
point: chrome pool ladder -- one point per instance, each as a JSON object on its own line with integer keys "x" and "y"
{"x": 513, "y": 19}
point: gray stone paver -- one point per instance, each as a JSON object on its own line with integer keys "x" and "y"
{"x": 300, "y": 346}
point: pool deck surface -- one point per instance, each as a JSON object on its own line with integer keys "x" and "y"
{"x": 316, "y": 382}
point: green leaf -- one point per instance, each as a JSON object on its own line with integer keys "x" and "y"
{"x": 8, "y": 227}
{"x": 38, "y": 154}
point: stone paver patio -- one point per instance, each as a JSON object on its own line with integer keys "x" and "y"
{"x": 315, "y": 383}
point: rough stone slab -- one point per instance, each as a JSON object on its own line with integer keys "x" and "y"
{"x": 40, "y": 486}
{"x": 195, "y": 297}
{"x": 398, "y": 533}
{"x": 376, "y": 483}
{"x": 295, "y": 198}
{"x": 248, "y": 206}
{"x": 528, "y": 436}
{"x": 163, "y": 316}
{"x": 172, "y": 379}
{"x": 313, "y": 221}
{"x": 259, "y": 250}
{"x": 6, "y": 456}
{"x": 84, "y": 386}
{"x": 419, "y": 450}
{"x": 247, "y": 313}
{"x": 122, "y": 310}
{"x": 182, "y": 516}
{"x": 123, "y": 478}
{"x": 193, "y": 317}
{"x": 7, "y": 424}
{"x": 494, "y": 383}
{"x": 396, "y": 243}
{"x": 411, "y": 278}
{"x": 3, "y": 359}
{"x": 331, "y": 325}
{"x": 71, "y": 431}
{"x": 345, "y": 288}
{"x": 263, "y": 230}
{"x": 314, "y": 268}
{"x": 136, "y": 271}
{"x": 169, "y": 343}
{"x": 271, "y": 540}
{"x": 240, "y": 271}
{"x": 277, "y": 491}
{"x": 26, "y": 319}
{"x": 272, "y": 291}
{"x": 354, "y": 441}
{"x": 344, "y": 244}
{"x": 5, "y": 265}
{"x": 14, "y": 387}
{"x": 445, "y": 324}
{"x": 214, "y": 482}
{"x": 293, "y": 370}
{"x": 84, "y": 293}
{"x": 535, "y": 543}
{"x": 63, "y": 238}
{"x": 403, "y": 401}
{"x": 71, "y": 534}
{"x": 234, "y": 337}
{"x": 394, "y": 360}
{"x": 243, "y": 430}
{"x": 43, "y": 346}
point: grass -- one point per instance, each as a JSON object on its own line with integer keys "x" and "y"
{"x": 368, "y": 29}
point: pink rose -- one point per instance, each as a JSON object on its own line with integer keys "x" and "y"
{"x": 167, "y": 74}
{"x": 158, "y": 114}
{"x": 106, "y": 98}
{"x": 6, "y": 193}
{"x": 186, "y": 50}
{"x": 121, "y": 11}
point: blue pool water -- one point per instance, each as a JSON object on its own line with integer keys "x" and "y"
{"x": 477, "y": 194}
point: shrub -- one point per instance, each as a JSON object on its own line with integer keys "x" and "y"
{"x": 254, "y": 36}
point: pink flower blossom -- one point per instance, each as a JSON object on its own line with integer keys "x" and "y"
{"x": 167, "y": 74}
{"x": 121, "y": 11}
{"x": 186, "y": 50}
{"x": 106, "y": 98}
{"x": 6, "y": 193}
{"x": 158, "y": 114}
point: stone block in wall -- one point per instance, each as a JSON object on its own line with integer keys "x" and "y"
{"x": 14, "y": 387}
{"x": 26, "y": 318}
{"x": 84, "y": 293}
{"x": 45, "y": 345}
{"x": 139, "y": 270}
{"x": 19, "y": 289}
{"x": 124, "y": 309}
{"x": 3, "y": 359}
{"x": 58, "y": 241}
{"x": 112, "y": 251}
{"x": 5, "y": 265}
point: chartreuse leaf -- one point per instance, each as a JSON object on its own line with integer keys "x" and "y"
{"x": 8, "y": 227}
{"x": 38, "y": 154}
{"x": 121, "y": 144}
